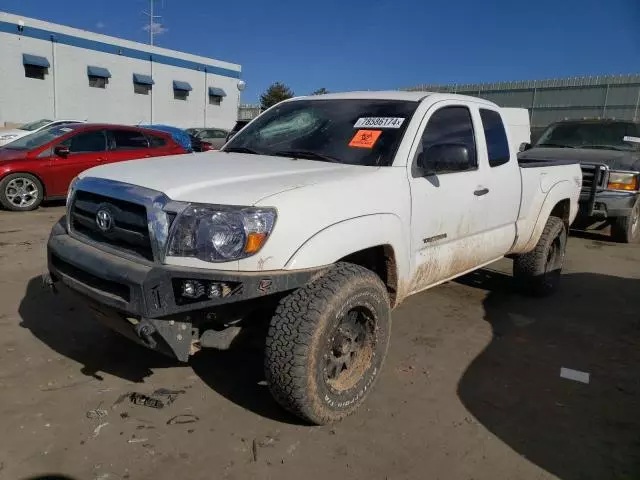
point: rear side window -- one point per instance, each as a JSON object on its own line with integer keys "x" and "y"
{"x": 156, "y": 141}
{"x": 496, "y": 137}
{"x": 129, "y": 140}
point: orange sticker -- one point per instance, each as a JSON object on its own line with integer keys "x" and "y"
{"x": 365, "y": 138}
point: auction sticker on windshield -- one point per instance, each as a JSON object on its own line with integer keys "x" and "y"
{"x": 379, "y": 122}
{"x": 365, "y": 138}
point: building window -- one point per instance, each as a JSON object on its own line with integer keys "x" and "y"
{"x": 180, "y": 94}
{"x": 181, "y": 89}
{"x": 35, "y": 66}
{"x": 141, "y": 88}
{"x": 98, "y": 76}
{"x": 142, "y": 83}
{"x": 34, "y": 71}
{"x": 98, "y": 82}
{"x": 216, "y": 95}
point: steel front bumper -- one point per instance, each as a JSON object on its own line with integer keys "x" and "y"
{"x": 143, "y": 301}
{"x": 607, "y": 204}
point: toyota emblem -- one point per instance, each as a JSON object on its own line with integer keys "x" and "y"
{"x": 104, "y": 220}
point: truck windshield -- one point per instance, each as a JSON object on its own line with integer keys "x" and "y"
{"x": 352, "y": 131}
{"x": 595, "y": 135}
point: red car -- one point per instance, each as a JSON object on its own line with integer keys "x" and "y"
{"x": 41, "y": 165}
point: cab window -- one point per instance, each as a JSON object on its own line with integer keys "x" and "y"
{"x": 449, "y": 129}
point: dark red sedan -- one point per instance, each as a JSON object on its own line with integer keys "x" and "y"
{"x": 41, "y": 166}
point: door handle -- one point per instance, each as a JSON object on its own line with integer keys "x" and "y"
{"x": 481, "y": 191}
{"x": 100, "y": 159}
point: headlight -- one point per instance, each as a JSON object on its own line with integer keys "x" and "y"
{"x": 7, "y": 137}
{"x": 220, "y": 234}
{"x": 622, "y": 181}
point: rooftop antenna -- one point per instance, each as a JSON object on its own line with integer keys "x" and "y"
{"x": 152, "y": 22}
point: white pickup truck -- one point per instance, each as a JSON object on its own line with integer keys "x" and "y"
{"x": 315, "y": 221}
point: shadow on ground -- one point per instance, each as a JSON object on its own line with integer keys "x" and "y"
{"x": 572, "y": 430}
{"x": 63, "y": 323}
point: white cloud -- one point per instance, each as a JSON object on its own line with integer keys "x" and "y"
{"x": 100, "y": 25}
{"x": 156, "y": 28}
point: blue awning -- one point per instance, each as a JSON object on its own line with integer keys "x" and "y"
{"x": 35, "y": 60}
{"x": 217, "y": 92}
{"x": 98, "y": 72}
{"x": 142, "y": 79}
{"x": 184, "y": 86}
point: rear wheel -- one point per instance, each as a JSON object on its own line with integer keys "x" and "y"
{"x": 21, "y": 192}
{"x": 627, "y": 229}
{"x": 327, "y": 342}
{"x": 538, "y": 272}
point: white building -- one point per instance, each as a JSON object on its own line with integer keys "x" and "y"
{"x": 53, "y": 71}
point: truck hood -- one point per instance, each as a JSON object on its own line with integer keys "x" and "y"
{"x": 616, "y": 160}
{"x": 223, "y": 178}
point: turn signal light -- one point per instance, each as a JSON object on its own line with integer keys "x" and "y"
{"x": 628, "y": 182}
{"x": 254, "y": 242}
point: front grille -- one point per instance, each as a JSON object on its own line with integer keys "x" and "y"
{"x": 592, "y": 174}
{"x": 129, "y": 230}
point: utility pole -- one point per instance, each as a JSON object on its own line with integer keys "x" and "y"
{"x": 152, "y": 22}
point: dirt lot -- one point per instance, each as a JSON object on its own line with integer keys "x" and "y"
{"x": 471, "y": 387}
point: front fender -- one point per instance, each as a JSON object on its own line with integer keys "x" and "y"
{"x": 530, "y": 228}
{"x": 349, "y": 236}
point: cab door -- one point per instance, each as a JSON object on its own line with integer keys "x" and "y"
{"x": 75, "y": 154}
{"x": 448, "y": 196}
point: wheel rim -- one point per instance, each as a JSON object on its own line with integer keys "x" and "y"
{"x": 350, "y": 349}
{"x": 21, "y": 192}
{"x": 635, "y": 216}
{"x": 554, "y": 255}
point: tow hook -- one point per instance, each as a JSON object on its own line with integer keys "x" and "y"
{"x": 145, "y": 331}
{"x": 48, "y": 282}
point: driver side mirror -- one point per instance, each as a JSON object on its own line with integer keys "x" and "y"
{"x": 524, "y": 146}
{"x": 62, "y": 151}
{"x": 444, "y": 158}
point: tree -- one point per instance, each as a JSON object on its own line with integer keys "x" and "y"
{"x": 320, "y": 91}
{"x": 276, "y": 93}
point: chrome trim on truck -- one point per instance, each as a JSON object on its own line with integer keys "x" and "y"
{"x": 158, "y": 208}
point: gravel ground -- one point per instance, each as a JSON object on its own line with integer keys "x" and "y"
{"x": 471, "y": 388}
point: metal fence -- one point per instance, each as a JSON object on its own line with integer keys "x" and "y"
{"x": 552, "y": 100}
{"x": 248, "y": 111}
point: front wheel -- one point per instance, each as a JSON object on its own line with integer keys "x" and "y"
{"x": 538, "y": 272}
{"x": 627, "y": 229}
{"x": 21, "y": 192}
{"x": 327, "y": 342}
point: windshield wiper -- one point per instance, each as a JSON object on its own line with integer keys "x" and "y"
{"x": 242, "y": 150}
{"x": 554, "y": 145}
{"x": 606, "y": 147}
{"x": 308, "y": 155}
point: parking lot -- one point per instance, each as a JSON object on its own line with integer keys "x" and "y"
{"x": 471, "y": 388}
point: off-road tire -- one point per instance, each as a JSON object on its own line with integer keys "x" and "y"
{"x": 5, "y": 201}
{"x": 627, "y": 229}
{"x": 538, "y": 272}
{"x": 301, "y": 340}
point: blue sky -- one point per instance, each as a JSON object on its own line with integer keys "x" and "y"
{"x": 376, "y": 44}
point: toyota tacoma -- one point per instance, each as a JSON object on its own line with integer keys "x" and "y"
{"x": 327, "y": 212}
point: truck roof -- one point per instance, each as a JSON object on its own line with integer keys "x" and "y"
{"x": 391, "y": 95}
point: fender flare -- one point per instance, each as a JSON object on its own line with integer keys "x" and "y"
{"x": 559, "y": 192}
{"x": 348, "y": 236}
